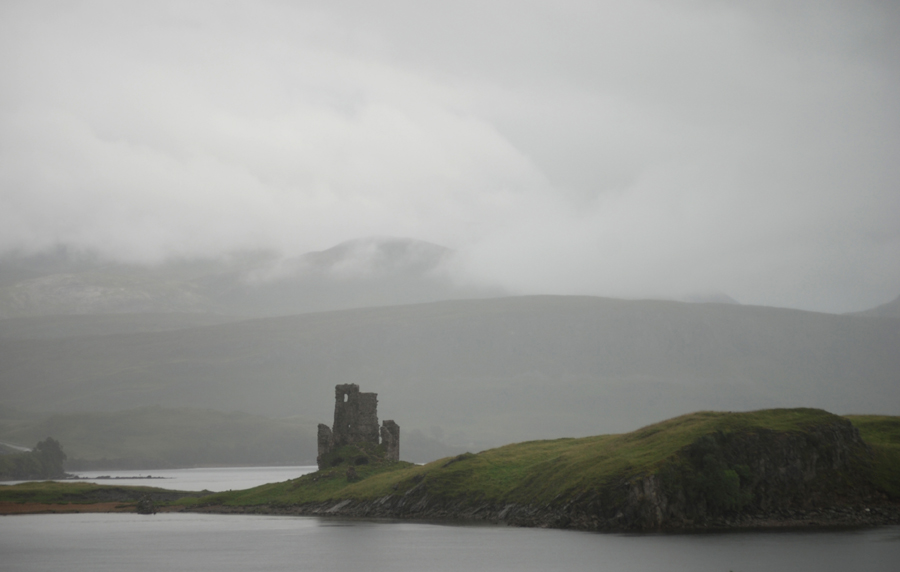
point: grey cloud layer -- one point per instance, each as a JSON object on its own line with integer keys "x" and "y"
{"x": 626, "y": 149}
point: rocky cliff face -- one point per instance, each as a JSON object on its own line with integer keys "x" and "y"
{"x": 756, "y": 472}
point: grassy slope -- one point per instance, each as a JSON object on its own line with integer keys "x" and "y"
{"x": 538, "y": 472}
{"x": 882, "y": 433}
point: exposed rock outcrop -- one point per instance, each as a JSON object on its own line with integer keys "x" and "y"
{"x": 755, "y": 472}
{"x": 390, "y": 438}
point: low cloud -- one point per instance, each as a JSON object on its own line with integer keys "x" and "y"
{"x": 623, "y": 149}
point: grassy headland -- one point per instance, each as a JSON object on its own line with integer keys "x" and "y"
{"x": 696, "y": 470}
{"x": 535, "y": 471}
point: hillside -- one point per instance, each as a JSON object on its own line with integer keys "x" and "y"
{"x": 64, "y": 326}
{"x": 45, "y": 461}
{"x": 703, "y": 470}
{"x": 478, "y": 373}
{"x": 373, "y": 271}
{"x": 154, "y": 437}
{"x": 888, "y": 310}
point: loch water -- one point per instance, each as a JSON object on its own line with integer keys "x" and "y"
{"x": 213, "y": 479}
{"x": 226, "y": 543}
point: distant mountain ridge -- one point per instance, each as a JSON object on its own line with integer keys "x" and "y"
{"x": 710, "y": 298}
{"x": 64, "y": 326}
{"x": 371, "y": 271}
{"x": 888, "y": 310}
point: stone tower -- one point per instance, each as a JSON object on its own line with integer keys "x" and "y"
{"x": 356, "y": 422}
{"x": 355, "y": 416}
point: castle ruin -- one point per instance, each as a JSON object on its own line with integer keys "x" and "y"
{"x": 356, "y": 423}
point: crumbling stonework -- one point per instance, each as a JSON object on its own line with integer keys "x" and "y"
{"x": 390, "y": 438}
{"x": 326, "y": 442}
{"x": 355, "y": 416}
{"x": 356, "y": 423}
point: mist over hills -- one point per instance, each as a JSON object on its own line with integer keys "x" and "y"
{"x": 372, "y": 271}
{"x": 271, "y": 336}
{"x": 63, "y": 326}
{"x": 478, "y": 373}
{"x": 153, "y": 437}
{"x": 889, "y": 310}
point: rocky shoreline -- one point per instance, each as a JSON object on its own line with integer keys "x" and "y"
{"x": 572, "y": 516}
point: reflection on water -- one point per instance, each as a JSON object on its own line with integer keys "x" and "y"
{"x": 211, "y": 479}
{"x": 226, "y": 543}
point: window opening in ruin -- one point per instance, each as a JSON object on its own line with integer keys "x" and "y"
{"x": 346, "y": 397}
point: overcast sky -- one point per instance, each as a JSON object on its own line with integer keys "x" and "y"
{"x": 632, "y": 149}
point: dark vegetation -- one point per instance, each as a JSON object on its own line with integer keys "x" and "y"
{"x": 45, "y": 461}
{"x": 882, "y": 433}
{"x": 53, "y": 492}
{"x": 355, "y": 455}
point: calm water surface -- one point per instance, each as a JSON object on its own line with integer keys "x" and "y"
{"x": 226, "y": 543}
{"x": 212, "y": 479}
{"x": 216, "y": 479}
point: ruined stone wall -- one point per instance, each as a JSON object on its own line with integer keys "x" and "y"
{"x": 356, "y": 422}
{"x": 366, "y": 428}
{"x": 346, "y": 408}
{"x": 325, "y": 442}
{"x": 390, "y": 438}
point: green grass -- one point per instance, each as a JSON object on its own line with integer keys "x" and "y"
{"x": 52, "y": 492}
{"x": 882, "y": 433}
{"x": 534, "y": 472}
{"x": 319, "y": 486}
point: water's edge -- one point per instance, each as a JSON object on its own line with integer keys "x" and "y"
{"x": 574, "y": 517}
